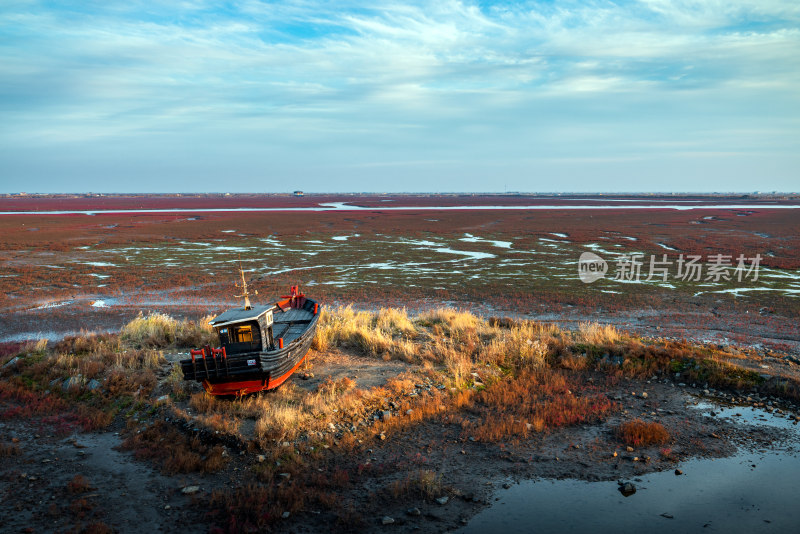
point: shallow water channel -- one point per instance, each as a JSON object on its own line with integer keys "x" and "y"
{"x": 752, "y": 491}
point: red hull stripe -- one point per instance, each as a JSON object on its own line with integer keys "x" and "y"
{"x": 248, "y": 386}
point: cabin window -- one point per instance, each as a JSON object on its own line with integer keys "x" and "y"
{"x": 223, "y": 336}
{"x": 242, "y": 334}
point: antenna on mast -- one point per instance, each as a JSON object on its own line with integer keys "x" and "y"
{"x": 243, "y": 287}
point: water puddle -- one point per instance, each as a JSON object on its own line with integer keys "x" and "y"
{"x": 53, "y": 305}
{"x": 469, "y": 238}
{"x": 752, "y": 491}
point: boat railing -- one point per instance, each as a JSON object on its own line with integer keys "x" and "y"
{"x": 219, "y": 356}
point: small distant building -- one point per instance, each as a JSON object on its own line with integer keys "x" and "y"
{"x": 298, "y": 193}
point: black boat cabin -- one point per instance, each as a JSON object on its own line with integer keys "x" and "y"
{"x": 243, "y": 330}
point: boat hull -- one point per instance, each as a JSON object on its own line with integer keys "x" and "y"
{"x": 250, "y": 372}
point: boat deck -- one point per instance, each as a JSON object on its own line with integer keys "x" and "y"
{"x": 291, "y": 324}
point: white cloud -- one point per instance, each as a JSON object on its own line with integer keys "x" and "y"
{"x": 444, "y": 76}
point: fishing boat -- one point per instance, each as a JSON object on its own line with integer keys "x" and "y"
{"x": 260, "y": 346}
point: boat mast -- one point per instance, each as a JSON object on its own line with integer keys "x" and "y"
{"x": 243, "y": 286}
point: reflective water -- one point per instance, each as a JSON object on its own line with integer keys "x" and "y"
{"x": 753, "y": 491}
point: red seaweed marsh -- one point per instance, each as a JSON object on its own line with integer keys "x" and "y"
{"x": 461, "y": 364}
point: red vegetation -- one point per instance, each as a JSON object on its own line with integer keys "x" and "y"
{"x": 641, "y": 433}
{"x": 78, "y": 484}
{"x": 17, "y": 401}
{"x": 533, "y": 402}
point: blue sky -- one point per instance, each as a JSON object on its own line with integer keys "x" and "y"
{"x": 650, "y": 95}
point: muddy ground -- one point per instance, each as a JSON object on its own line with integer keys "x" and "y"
{"x": 40, "y": 492}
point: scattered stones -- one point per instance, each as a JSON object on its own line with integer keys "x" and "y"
{"x": 12, "y": 362}
{"x": 678, "y": 472}
{"x": 190, "y": 490}
{"x": 629, "y": 448}
{"x": 382, "y": 436}
{"x": 413, "y": 511}
{"x": 72, "y": 382}
{"x": 261, "y": 458}
{"x": 386, "y": 414}
{"x": 667, "y": 516}
{"x": 644, "y": 394}
{"x": 387, "y": 520}
{"x": 627, "y": 489}
{"x": 443, "y": 500}
{"x": 285, "y": 515}
{"x": 285, "y": 476}
{"x": 506, "y": 486}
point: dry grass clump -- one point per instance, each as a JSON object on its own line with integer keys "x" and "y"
{"x": 203, "y": 402}
{"x": 56, "y": 411}
{"x": 128, "y": 382}
{"x": 38, "y": 347}
{"x": 88, "y": 343}
{"x": 139, "y": 359}
{"x": 78, "y": 484}
{"x": 175, "y": 380}
{"x": 424, "y": 484}
{"x": 597, "y": 334}
{"x": 455, "y": 339}
{"x": 219, "y": 423}
{"x": 450, "y": 319}
{"x": 176, "y": 452}
{"x": 287, "y": 412}
{"x": 339, "y": 326}
{"x": 388, "y": 331}
{"x": 255, "y": 507}
{"x": 520, "y": 346}
{"x": 459, "y": 366}
{"x": 535, "y": 400}
{"x": 9, "y": 449}
{"x": 158, "y": 330}
{"x": 641, "y": 433}
{"x": 395, "y": 321}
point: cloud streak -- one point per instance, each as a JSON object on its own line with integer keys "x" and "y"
{"x": 291, "y": 89}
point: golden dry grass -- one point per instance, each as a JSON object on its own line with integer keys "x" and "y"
{"x": 597, "y": 334}
{"x": 158, "y": 330}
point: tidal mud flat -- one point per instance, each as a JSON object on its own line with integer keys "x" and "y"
{"x": 410, "y": 413}
{"x": 65, "y": 273}
{"x": 373, "y": 433}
